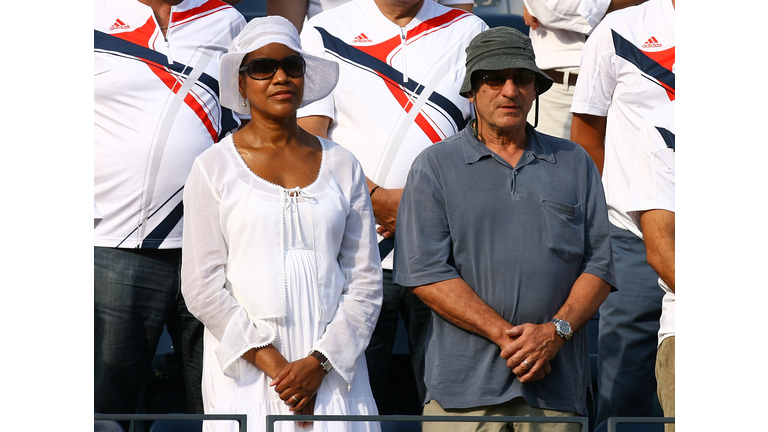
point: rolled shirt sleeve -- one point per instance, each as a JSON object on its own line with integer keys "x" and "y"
{"x": 593, "y": 94}
{"x": 423, "y": 241}
{"x": 652, "y": 183}
{"x": 559, "y": 14}
{"x": 593, "y": 10}
{"x": 598, "y": 253}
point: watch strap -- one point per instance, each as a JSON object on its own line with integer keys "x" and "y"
{"x": 324, "y": 362}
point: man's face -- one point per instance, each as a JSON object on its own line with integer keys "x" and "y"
{"x": 504, "y": 97}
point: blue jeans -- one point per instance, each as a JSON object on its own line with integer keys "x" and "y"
{"x": 628, "y": 335}
{"x": 416, "y": 316}
{"x": 136, "y": 292}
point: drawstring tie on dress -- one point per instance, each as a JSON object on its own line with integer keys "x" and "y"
{"x": 291, "y": 198}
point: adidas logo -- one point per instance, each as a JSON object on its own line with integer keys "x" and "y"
{"x": 652, "y": 43}
{"x": 119, "y": 25}
{"x": 361, "y": 38}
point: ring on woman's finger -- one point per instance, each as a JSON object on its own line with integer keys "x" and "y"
{"x": 527, "y": 364}
{"x": 294, "y": 398}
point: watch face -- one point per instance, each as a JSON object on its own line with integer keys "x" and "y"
{"x": 563, "y": 327}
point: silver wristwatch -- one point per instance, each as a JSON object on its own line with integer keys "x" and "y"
{"x": 562, "y": 327}
{"x": 324, "y": 362}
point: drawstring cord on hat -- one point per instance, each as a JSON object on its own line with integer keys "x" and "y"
{"x": 474, "y": 124}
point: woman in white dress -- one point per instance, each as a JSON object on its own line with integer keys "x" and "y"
{"x": 280, "y": 260}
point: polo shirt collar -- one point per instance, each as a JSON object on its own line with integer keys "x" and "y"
{"x": 474, "y": 149}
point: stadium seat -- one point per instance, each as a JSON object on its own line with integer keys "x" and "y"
{"x": 632, "y": 427}
{"x": 593, "y": 328}
{"x": 177, "y": 426}
{"x": 400, "y": 427}
{"x": 107, "y": 426}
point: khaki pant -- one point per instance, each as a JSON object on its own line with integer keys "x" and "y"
{"x": 515, "y": 407}
{"x": 554, "y": 111}
{"x": 665, "y": 378}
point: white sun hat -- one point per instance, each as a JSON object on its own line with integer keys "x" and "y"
{"x": 319, "y": 79}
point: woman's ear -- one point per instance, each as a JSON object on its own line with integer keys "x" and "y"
{"x": 241, "y": 85}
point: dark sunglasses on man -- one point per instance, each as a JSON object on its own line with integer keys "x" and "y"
{"x": 265, "y": 68}
{"x": 496, "y": 79}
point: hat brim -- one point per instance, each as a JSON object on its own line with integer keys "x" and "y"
{"x": 501, "y": 62}
{"x": 320, "y": 77}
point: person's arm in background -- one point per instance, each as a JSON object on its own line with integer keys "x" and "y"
{"x": 385, "y": 201}
{"x": 659, "y": 236}
{"x": 588, "y": 131}
{"x": 530, "y": 20}
{"x": 651, "y": 196}
{"x": 315, "y": 124}
{"x": 595, "y": 10}
{"x": 621, "y": 4}
{"x": 593, "y": 94}
{"x": 580, "y": 16}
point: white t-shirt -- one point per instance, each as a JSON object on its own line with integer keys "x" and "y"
{"x": 96, "y": 216}
{"x": 147, "y": 127}
{"x": 627, "y": 70}
{"x": 398, "y": 89}
{"x": 562, "y": 31}
{"x": 653, "y": 187}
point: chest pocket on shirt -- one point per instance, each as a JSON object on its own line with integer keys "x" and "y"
{"x": 565, "y": 229}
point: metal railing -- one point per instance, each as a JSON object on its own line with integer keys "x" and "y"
{"x": 241, "y": 419}
{"x": 272, "y": 419}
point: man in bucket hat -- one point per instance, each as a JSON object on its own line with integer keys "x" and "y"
{"x": 506, "y": 238}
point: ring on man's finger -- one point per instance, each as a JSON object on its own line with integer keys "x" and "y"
{"x": 527, "y": 364}
{"x": 294, "y": 398}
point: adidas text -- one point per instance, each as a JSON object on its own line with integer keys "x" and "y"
{"x": 652, "y": 43}
{"x": 361, "y": 38}
{"x": 119, "y": 25}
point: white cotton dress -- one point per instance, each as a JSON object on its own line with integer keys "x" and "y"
{"x": 298, "y": 269}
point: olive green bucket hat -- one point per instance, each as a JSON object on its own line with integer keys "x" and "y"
{"x": 501, "y": 48}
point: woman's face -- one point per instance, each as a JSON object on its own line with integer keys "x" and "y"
{"x": 280, "y": 95}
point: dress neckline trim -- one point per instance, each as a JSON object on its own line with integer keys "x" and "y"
{"x": 275, "y": 185}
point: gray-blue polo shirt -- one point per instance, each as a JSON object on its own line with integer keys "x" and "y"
{"x": 519, "y": 236}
